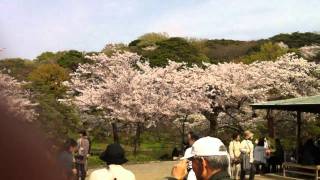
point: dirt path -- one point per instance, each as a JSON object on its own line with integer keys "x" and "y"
{"x": 161, "y": 170}
{"x": 150, "y": 171}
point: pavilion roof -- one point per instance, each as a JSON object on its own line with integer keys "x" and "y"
{"x": 302, "y": 104}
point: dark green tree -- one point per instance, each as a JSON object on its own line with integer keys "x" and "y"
{"x": 48, "y": 57}
{"x": 268, "y": 52}
{"x": 48, "y": 79}
{"x": 297, "y": 39}
{"x": 175, "y": 49}
{"x": 17, "y": 68}
{"x": 71, "y": 59}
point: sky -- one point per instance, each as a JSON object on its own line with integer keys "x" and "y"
{"x": 30, "y": 27}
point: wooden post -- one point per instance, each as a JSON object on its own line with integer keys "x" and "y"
{"x": 298, "y": 134}
{"x": 270, "y": 123}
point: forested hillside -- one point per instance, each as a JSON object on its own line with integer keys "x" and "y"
{"x": 157, "y": 47}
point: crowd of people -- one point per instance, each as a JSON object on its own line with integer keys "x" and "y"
{"x": 244, "y": 157}
{"x": 73, "y": 160}
{"x": 204, "y": 158}
{"x": 254, "y": 157}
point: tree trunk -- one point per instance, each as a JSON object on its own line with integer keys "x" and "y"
{"x": 298, "y": 136}
{"x": 183, "y": 134}
{"x": 270, "y": 124}
{"x": 136, "y": 142}
{"x": 158, "y": 134}
{"x": 115, "y": 133}
{"x": 213, "y": 126}
{"x": 212, "y": 118}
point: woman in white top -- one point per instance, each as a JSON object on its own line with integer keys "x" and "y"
{"x": 114, "y": 157}
{"x": 234, "y": 151}
{"x": 246, "y": 149}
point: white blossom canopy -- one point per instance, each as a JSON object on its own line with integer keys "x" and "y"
{"x": 126, "y": 88}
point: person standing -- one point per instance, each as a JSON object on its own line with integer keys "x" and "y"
{"x": 192, "y": 137}
{"x": 267, "y": 147}
{"x": 246, "y": 149}
{"x": 114, "y": 156}
{"x": 190, "y": 175}
{"x": 183, "y": 170}
{"x": 65, "y": 159}
{"x": 279, "y": 154}
{"x": 81, "y": 157}
{"x": 260, "y": 155}
{"x": 234, "y": 151}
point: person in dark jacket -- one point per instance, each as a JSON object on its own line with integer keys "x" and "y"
{"x": 66, "y": 158}
{"x": 278, "y": 157}
{"x": 310, "y": 153}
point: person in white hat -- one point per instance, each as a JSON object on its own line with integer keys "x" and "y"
{"x": 247, "y": 159}
{"x": 210, "y": 159}
{"x": 179, "y": 171}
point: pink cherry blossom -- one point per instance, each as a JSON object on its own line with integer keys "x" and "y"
{"x": 16, "y": 98}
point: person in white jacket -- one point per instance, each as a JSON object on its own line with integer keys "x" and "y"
{"x": 246, "y": 149}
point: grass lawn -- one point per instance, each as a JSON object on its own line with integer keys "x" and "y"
{"x": 151, "y": 149}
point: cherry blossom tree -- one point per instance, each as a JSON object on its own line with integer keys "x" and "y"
{"x": 235, "y": 86}
{"x": 16, "y": 98}
{"x": 180, "y": 91}
{"x": 124, "y": 88}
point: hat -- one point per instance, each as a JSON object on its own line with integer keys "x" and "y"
{"x": 114, "y": 154}
{"x": 208, "y": 146}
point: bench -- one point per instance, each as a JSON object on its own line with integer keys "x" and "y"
{"x": 298, "y": 169}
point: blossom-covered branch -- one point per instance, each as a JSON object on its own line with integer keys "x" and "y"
{"x": 16, "y": 98}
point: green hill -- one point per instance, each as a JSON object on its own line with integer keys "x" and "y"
{"x": 157, "y": 48}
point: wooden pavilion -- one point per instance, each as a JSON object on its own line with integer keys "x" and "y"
{"x": 310, "y": 104}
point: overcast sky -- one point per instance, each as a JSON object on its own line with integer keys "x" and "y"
{"x": 29, "y": 27}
